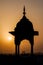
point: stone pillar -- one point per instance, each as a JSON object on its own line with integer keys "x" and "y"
{"x": 18, "y": 49}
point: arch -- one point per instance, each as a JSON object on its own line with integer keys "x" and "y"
{"x": 25, "y": 46}
{"x": 18, "y": 40}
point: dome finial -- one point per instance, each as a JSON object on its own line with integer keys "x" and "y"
{"x": 24, "y": 11}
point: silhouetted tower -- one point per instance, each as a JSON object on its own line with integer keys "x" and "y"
{"x": 24, "y": 30}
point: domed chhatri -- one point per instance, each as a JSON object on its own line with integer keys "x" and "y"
{"x": 24, "y": 30}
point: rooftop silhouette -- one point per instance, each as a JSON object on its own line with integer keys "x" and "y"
{"x": 24, "y": 30}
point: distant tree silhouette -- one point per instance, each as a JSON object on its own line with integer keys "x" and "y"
{"x": 24, "y": 30}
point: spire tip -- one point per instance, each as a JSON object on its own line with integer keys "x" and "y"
{"x": 24, "y": 11}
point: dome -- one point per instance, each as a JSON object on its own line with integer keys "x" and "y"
{"x": 24, "y": 24}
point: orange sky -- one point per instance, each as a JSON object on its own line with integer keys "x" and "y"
{"x": 10, "y": 13}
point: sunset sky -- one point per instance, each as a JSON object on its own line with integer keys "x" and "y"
{"x": 11, "y": 11}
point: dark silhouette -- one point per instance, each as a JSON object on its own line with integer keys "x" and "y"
{"x": 24, "y": 30}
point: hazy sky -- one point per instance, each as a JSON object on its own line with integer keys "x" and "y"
{"x": 10, "y": 13}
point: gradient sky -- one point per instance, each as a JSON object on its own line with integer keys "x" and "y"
{"x": 10, "y": 13}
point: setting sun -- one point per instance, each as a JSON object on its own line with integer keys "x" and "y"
{"x": 9, "y": 38}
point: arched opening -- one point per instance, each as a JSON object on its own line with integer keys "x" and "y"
{"x": 25, "y": 47}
